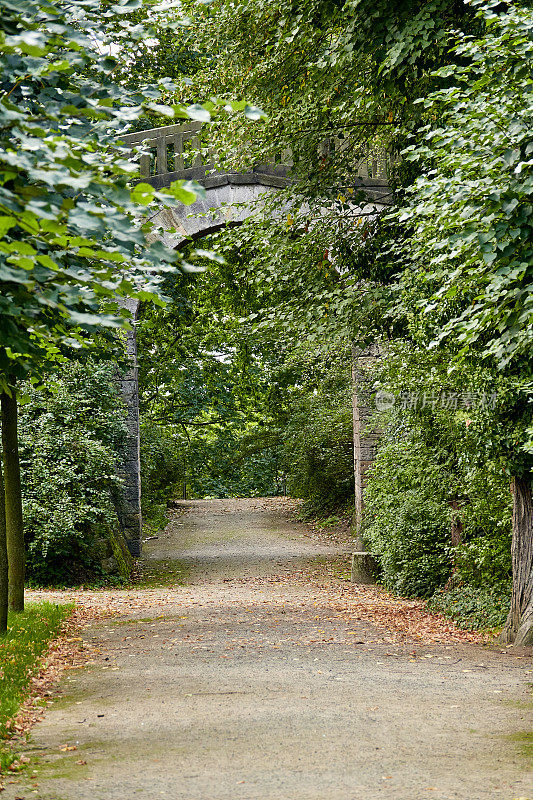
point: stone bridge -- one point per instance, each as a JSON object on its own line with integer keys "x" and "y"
{"x": 175, "y": 152}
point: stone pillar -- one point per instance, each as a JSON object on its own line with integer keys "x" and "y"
{"x": 130, "y": 469}
{"x": 364, "y": 441}
{"x": 364, "y": 567}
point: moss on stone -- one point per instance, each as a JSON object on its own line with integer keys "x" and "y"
{"x": 121, "y": 554}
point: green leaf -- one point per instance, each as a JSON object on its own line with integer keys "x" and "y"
{"x": 198, "y": 113}
{"x": 142, "y": 193}
{"x": 166, "y": 111}
{"x": 127, "y": 6}
{"x": 6, "y": 223}
{"x": 254, "y": 113}
{"x": 182, "y": 191}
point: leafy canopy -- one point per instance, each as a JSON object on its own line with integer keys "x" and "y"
{"x": 469, "y": 215}
{"x": 71, "y": 239}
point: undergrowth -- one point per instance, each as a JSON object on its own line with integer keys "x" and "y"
{"x": 472, "y": 608}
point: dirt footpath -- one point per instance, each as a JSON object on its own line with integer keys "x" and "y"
{"x": 248, "y": 676}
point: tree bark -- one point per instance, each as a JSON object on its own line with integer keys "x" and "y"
{"x": 365, "y": 442}
{"x": 456, "y": 538}
{"x": 3, "y": 558}
{"x": 519, "y": 626}
{"x": 13, "y": 501}
{"x": 358, "y": 518}
{"x": 456, "y": 525}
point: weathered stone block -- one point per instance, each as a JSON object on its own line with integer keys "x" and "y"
{"x": 364, "y": 567}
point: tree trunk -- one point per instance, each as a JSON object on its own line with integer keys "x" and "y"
{"x": 456, "y": 538}
{"x": 357, "y": 455}
{"x": 3, "y": 558}
{"x": 365, "y": 442}
{"x": 13, "y": 501}
{"x": 519, "y": 626}
{"x": 456, "y": 526}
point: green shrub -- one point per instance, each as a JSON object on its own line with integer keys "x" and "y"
{"x": 71, "y": 431}
{"x": 318, "y": 453}
{"x": 473, "y": 608}
{"x": 429, "y": 470}
{"x": 162, "y": 470}
{"x": 407, "y": 520}
{"x": 484, "y": 558}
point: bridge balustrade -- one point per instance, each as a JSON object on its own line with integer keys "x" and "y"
{"x": 176, "y": 151}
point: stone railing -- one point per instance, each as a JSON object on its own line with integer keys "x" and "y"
{"x": 176, "y": 151}
{"x": 168, "y": 153}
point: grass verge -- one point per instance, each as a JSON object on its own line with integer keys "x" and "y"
{"x": 28, "y": 636}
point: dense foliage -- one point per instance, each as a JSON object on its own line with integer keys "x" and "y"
{"x": 207, "y": 392}
{"x": 72, "y": 429}
{"x": 162, "y": 470}
{"x": 70, "y": 243}
{"x": 353, "y": 69}
{"x": 318, "y": 432}
{"x": 408, "y": 519}
{"x": 466, "y": 265}
{"x": 469, "y": 215}
{"x": 248, "y": 410}
{"x": 246, "y": 373}
{"x": 472, "y": 607}
{"x": 448, "y": 273}
{"x": 418, "y": 488}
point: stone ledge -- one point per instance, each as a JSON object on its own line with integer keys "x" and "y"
{"x": 277, "y": 181}
{"x": 215, "y": 181}
{"x": 242, "y": 178}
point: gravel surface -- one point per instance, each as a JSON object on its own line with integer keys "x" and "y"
{"x": 255, "y": 674}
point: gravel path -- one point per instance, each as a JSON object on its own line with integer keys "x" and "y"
{"x": 254, "y": 678}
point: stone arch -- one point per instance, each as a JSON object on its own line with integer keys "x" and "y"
{"x": 229, "y": 200}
